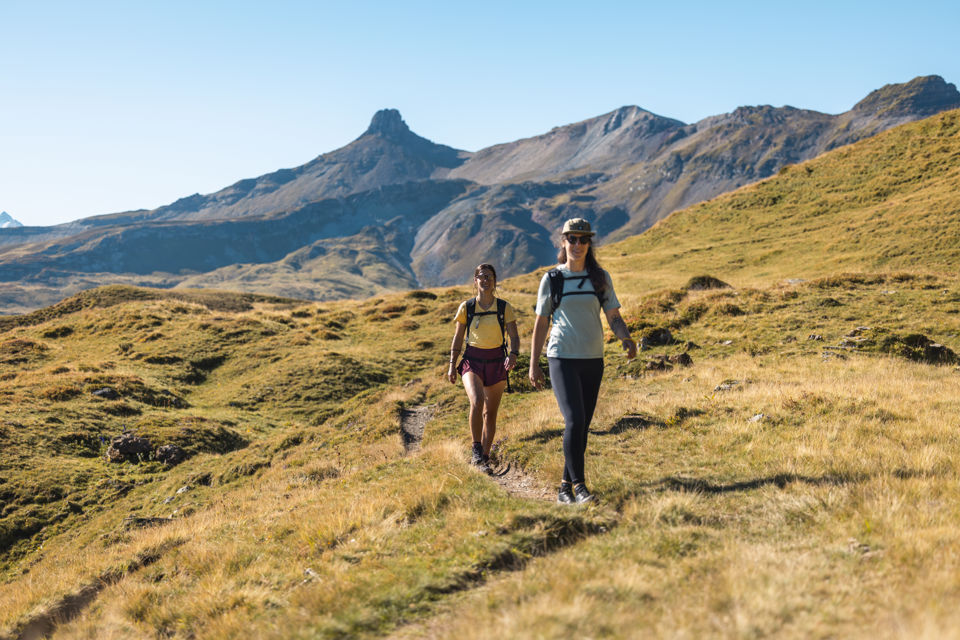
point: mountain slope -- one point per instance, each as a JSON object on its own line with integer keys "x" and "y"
{"x": 387, "y": 153}
{"x": 624, "y": 171}
{"x": 168, "y": 253}
{"x": 625, "y": 136}
{"x": 373, "y": 261}
{"x": 721, "y": 153}
{"x": 888, "y": 202}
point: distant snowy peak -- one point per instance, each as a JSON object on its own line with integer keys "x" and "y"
{"x": 7, "y": 221}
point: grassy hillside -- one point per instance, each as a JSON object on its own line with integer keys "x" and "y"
{"x": 798, "y": 479}
{"x": 889, "y": 202}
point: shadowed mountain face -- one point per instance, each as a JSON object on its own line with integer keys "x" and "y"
{"x": 393, "y": 210}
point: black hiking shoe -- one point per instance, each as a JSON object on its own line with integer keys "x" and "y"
{"x": 565, "y": 495}
{"x": 477, "y": 457}
{"x": 582, "y": 494}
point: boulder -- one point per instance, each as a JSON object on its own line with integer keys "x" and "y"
{"x": 136, "y": 522}
{"x": 700, "y": 283}
{"x": 657, "y": 336}
{"x": 681, "y": 359}
{"x": 659, "y": 363}
{"x": 128, "y": 447}
{"x": 914, "y": 346}
{"x": 170, "y": 454}
{"x": 935, "y": 353}
{"x": 107, "y": 393}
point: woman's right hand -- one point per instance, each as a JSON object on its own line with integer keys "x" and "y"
{"x": 452, "y": 374}
{"x": 536, "y": 376}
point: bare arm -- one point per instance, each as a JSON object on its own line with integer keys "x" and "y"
{"x": 619, "y": 328}
{"x": 455, "y": 347}
{"x": 540, "y": 326}
{"x": 511, "y": 361}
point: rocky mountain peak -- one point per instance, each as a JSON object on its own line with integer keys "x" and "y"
{"x": 387, "y": 122}
{"x": 925, "y": 95}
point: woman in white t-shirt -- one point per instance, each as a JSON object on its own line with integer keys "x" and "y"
{"x": 485, "y": 321}
{"x": 574, "y": 293}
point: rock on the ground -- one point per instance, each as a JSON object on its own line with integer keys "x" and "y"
{"x": 657, "y": 336}
{"x": 128, "y": 447}
{"x": 699, "y": 283}
{"x": 170, "y": 454}
{"x": 682, "y": 359}
{"x": 658, "y": 363}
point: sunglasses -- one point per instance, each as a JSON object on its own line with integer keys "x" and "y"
{"x": 578, "y": 239}
{"x": 484, "y": 276}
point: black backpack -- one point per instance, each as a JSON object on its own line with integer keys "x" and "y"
{"x": 501, "y": 311}
{"x": 556, "y": 288}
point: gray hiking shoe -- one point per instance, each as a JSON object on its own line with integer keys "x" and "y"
{"x": 477, "y": 456}
{"x": 581, "y": 494}
{"x": 565, "y": 495}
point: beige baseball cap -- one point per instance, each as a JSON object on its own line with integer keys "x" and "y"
{"x": 577, "y": 225}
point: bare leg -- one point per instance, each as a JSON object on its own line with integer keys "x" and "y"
{"x": 475, "y": 393}
{"x": 491, "y": 404}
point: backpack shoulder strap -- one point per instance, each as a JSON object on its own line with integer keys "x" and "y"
{"x": 556, "y": 288}
{"x": 501, "y": 318}
{"x": 471, "y": 306}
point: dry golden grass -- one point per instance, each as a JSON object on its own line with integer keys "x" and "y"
{"x": 829, "y": 514}
{"x": 839, "y": 523}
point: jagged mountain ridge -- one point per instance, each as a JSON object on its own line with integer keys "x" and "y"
{"x": 387, "y": 153}
{"x": 669, "y": 165}
{"x": 623, "y": 170}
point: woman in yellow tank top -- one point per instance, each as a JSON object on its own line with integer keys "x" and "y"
{"x": 485, "y": 362}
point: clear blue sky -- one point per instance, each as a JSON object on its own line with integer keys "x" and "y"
{"x": 109, "y": 106}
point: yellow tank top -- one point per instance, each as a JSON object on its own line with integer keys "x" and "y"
{"x": 484, "y": 332}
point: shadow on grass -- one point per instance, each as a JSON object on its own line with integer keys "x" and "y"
{"x": 535, "y": 535}
{"x": 544, "y": 435}
{"x": 42, "y": 625}
{"x": 629, "y": 422}
{"x": 632, "y": 422}
{"x": 780, "y": 480}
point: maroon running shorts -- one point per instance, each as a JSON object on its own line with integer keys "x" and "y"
{"x": 486, "y": 363}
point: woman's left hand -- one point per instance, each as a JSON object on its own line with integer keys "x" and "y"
{"x": 630, "y": 347}
{"x": 510, "y": 362}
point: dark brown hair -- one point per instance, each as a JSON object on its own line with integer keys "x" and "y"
{"x": 488, "y": 267}
{"x": 594, "y": 271}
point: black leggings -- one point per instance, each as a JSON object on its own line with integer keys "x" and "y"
{"x": 576, "y": 384}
